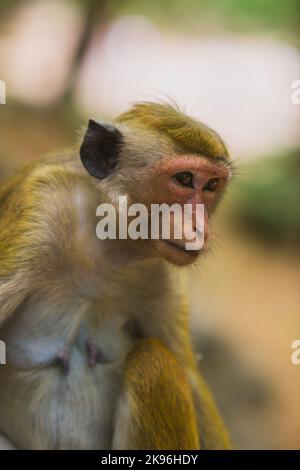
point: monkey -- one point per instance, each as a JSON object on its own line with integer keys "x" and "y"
{"x": 99, "y": 352}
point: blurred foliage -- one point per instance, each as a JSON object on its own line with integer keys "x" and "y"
{"x": 268, "y": 200}
{"x": 236, "y": 14}
{"x": 8, "y": 3}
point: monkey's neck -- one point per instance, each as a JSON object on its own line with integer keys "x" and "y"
{"x": 118, "y": 254}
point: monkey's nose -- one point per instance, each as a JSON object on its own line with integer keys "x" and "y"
{"x": 204, "y": 230}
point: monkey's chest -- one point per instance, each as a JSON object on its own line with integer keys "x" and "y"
{"x": 64, "y": 386}
{"x": 43, "y": 410}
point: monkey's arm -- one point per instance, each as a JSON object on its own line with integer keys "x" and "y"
{"x": 156, "y": 410}
{"x": 12, "y": 293}
{"x": 34, "y": 212}
{"x": 173, "y": 330}
{"x": 213, "y": 433}
{"x": 16, "y": 221}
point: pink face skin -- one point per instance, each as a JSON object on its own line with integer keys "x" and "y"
{"x": 163, "y": 187}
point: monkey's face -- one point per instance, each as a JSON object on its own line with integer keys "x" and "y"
{"x": 158, "y": 176}
{"x": 186, "y": 181}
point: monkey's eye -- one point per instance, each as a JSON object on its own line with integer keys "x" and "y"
{"x": 211, "y": 185}
{"x": 185, "y": 178}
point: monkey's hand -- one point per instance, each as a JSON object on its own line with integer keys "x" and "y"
{"x": 156, "y": 410}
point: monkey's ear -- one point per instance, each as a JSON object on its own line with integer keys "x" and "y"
{"x": 99, "y": 151}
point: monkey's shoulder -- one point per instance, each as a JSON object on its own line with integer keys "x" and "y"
{"x": 49, "y": 177}
{"x": 44, "y": 209}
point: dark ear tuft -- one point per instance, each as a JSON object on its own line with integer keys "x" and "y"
{"x": 100, "y": 148}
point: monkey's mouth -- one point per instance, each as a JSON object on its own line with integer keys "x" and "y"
{"x": 182, "y": 249}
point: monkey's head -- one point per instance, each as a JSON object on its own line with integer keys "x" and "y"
{"x": 155, "y": 154}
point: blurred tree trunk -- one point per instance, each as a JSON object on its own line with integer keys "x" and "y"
{"x": 97, "y": 14}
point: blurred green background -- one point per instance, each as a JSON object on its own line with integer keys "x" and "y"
{"x": 230, "y": 63}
